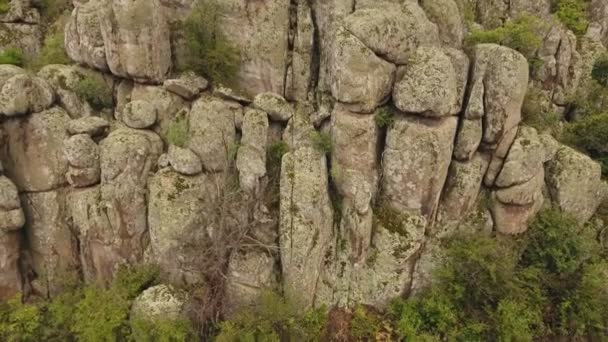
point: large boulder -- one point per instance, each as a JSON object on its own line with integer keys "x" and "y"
{"x": 275, "y": 105}
{"x": 84, "y": 41}
{"x": 11, "y": 281}
{"x": 415, "y": 163}
{"x": 299, "y": 75}
{"x": 33, "y": 155}
{"x": 251, "y": 157}
{"x": 23, "y": 94}
{"x": 82, "y": 154}
{"x": 213, "y": 131}
{"x": 357, "y": 76}
{"x": 184, "y": 161}
{"x": 90, "y": 125}
{"x": 575, "y": 184}
{"x": 11, "y": 214}
{"x": 306, "y": 220}
{"x": 127, "y": 158}
{"x": 160, "y": 302}
{"x": 449, "y": 20}
{"x": 65, "y": 81}
{"x": 26, "y": 37}
{"x": 139, "y": 114}
{"x": 51, "y": 243}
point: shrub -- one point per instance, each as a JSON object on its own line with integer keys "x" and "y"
{"x": 600, "y": 70}
{"x": 272, "y": 318}
{"x": 573, "y": 14}
{"x": 101, "y": 315}
{"x": 589, "y": 135}
{"x": 385, "y": 117}
{"x": 12, "y": 56}
{"x": 522, "y": 34}
{"x": 162, "y": 331}
{"x": 537, "y": 112}
{"x": 20, "y": 322}
{"x": 53, "y": 49}
{"x": 365, "y": 325}
{"x": 206, "y": 50}
{"x": 275, "y": 154}
{"x": 321, "y": 142}
{"x": 93, "y": 89}
{"x": 177, "y": 132}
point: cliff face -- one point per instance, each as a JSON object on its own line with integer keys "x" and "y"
{"x": 358, "y": 136}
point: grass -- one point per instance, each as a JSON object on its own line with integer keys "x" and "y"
{"x": 12, "y": 56}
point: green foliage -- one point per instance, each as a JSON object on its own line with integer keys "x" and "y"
{"x": 131, "y": 281}
{"x": 272, "y": 318}
{"x": 600, "y": 70}
{"x": 522, "y": 34}
{"x": 537, "y": 112}
{"x": 177, "y": 132}
{"x": 101, "y": 316}
{"x": 53, "y": 49}
{"x": 275, "y": 154}
{"x": 321, "y": 142}
{"x": 385, "y": 117}
{"x": 162, "y": 331}
{"x": 573, "y": 14}
{"x": 12, "y": 56}
{"x": 94, "y": 89}
{"x": 207, "y": 50}
{"x": 5, "y": 6}
{"x": 365, "y": 325}
{"x": 20, "y": 322}
{"x": 589, "y": 135}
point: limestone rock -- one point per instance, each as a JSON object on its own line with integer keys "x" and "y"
{"x": 188, "y": 86}
{"x": 306, "y": 219}
{"x": 184, "y": 161}
{"x": 53, "y": 247}
{"x": 21, "y": 11}
{"x": 428, "y": 86}
{"x": 160, "y": 302}
{"x": 11, "y": 214}
{"x": 392, "y": 31}
{"x": 598, "y": 15}
{"x": 415, "y": 162}
{"x": 33, "y": 154}
{"x": 251, "y": 157}
{"x": 275, "y": 105}
{"x": 356, "y": 75}
{"x": 139, "y": 114}
{"x": 91, "y": 125}
{"x": 213, "y": 131}
{"x": 11, "y": 281}
{"x": 23, "y": 94}
{"x": 574, "y": 182}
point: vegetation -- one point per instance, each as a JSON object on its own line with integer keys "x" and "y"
{"x": 90, "y": 314}
{"x": 573, "y": 14}
{"x": 53, "y": 48}
{"x": 275, "y": 154}
{"x": 177, "y": 133}
{"x": 537, "y": 112}
{"x": 5, "y": 6}
{"x": 272, "y": 318}
{"x": 385, "y": 117}
{"x": 12, "y": 56}
{"x": 522, "y": 34}
{"x": 94, "y": 89}
{"x": 589, "y": 135}
{"x": 600, "y": 70}
{"x": 207, "y": 50}
{"x": 321, "y": 142}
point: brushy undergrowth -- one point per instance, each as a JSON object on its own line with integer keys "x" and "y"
{"x": 207, "y": 51}
{"x": 588, "y": 134}
{"x": 573, "y": 14}
{"x": 93, "y": 88}
{"x": 12, "y": 56}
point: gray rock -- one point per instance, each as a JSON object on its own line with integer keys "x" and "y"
{"x": 7, "y": 71}
{"x": 188, "y": 85}
{"x": 91, "y": 125}
{"x": 184, "y": 161}
{"x": 84, "y": 41}
{"x": 160, "y": 302}
{"x": 139, "y": 114}
{"x": 275, "y": 105}
{"x": 82, "y": 154}
{"x": 11, "y": 214}
{"x": 11, "y": 281}
{"x": 23, "y": 94}
{"x": 65, "y": 81}
{"x": 251, "y": 157}
{"x": 524, "y": 161}
{"x": 303, "y": 54}
{"x": 450, "y": 22}
{"x": 468, "y": 139}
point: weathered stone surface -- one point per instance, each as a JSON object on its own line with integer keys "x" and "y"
{"x": 260, "y": 30}
{"x": 52, "y": 245}
{"x": 428, "y": 86}
{"x": 23, "y": 94}
{"x": 33, "y": 154}
{"x": 82, "y": 154}
{"x": 356, "y": 75}
{"x": 10, "y": 274}
{"x": 91, "y": 125}
{"x": 213, "y": 131}
{"x": 303, "y": 54}
{"x": 467, "y": 139}
{"x": 21, "y": 11}
{"x": 188, "y": 85}
{"x": 354, "y": 155}
{"x": 26, "y": 37}
{"x": 524, "y": 161}
{"x": 7, "y": 71}
{"x": 499, "y": 83}
{"x": 306, "y": 219}
{"x": 393, "y": 31}
{"x": 180, "y": 209}
{"x": 575, "y": 184}
{"x": 461, "y": 64}
{"x": 415, "y": 162}
{"x": 127, "y": 158}
{"x": 139, "y": 114}
{"x": 184, "y": 161}
{"x": 251, "y": 157}
{"x": 432, "y": 256}
{"x": 160, "y": 302}
{"x": 65, "y": 81}
{"x": 250, "y": 273}
{"x": 275, "y": 105}
{"x": 299, "y": 130}
{"x": 83, "y": 38}
{"x": 598, "y": 15}
{"x": 460, "y": 193}
{"x": 450, "y": 23}
{"x": 11, "y": 214}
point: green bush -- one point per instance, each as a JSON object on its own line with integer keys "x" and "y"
{"x": 206, "y": 49}
{"x": 573, "y": 14}
{"x": 272, "y": 318}
{"x": 94, "y": 89}
{"x": 275, "y": 154}
{"x": 321, "y": 142}
{"x": 53, "y": 49}
{"x": 162, "y": 331}
{"x": 177, "y": 132}
{"x": 599, "y": 72}
{"x": 589, "y": 135}
{"x": 20, "y": 322}
{"x": 12, "y": 56}
{"x": 365, "y": 325}
{"x": 523, "y": 34}
{"x": 385, "y": 117}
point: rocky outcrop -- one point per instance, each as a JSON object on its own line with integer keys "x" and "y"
{"x": 82, "y": 154}
{"x": 160, "y": 302}
{"x": 11, "y": 220}
{"x": 251, "y": 157}
{"x": 65, "y": 80}
{"x": 23, "y": 94}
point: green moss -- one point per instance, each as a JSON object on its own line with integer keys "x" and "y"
{"x": 206, "y": 49}
{"x": 275, "y": 154}
{"x": 12, "y": 56}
